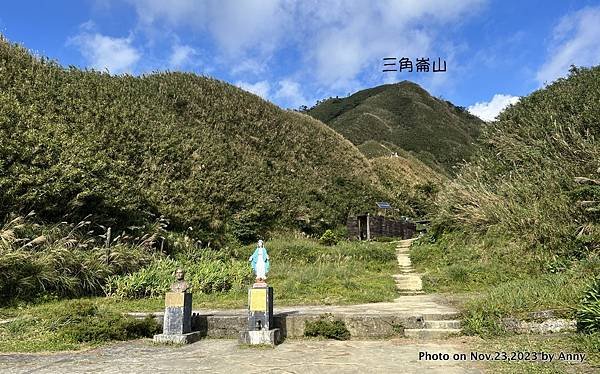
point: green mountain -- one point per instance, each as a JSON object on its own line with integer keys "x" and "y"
{"x": 394, "y": 117}
{"x": 200, "y": 152}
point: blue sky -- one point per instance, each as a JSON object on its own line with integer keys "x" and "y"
{"x": 296, "y": 52}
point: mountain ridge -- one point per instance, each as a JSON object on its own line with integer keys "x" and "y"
{"x": 407, "y": 116}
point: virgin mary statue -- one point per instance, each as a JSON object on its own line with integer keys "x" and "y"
{"x": 260, "y": 262}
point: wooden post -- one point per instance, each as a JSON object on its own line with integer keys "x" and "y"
{"x": 359, "y": 232}
{"x": 108, "y": 238}
{"x": 368, "y": 228}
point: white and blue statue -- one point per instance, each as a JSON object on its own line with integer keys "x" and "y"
{"x": 260, "y": 262}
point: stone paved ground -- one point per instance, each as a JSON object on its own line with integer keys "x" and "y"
{"x": 404, "y": 305}
{"x": 225, "y": 356}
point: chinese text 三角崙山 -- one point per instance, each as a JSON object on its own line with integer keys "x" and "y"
{"x": 422, "y": 65}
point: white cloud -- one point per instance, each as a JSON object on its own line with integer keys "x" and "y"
{"x": 181, "y": 55}
{"x": 488, "y": 111}
{"x": 350, "y": 38}
{"x": 236, "y": 26}
{"x": 337, "y": 47}
{"x": 261, "y": 88}
{"x": 290, "y": 94}
{"x": 336, "y": 42}
{"x": 287, "y": 92}
{"x": 118, "y": 55}
{"x": 575, "y": 41}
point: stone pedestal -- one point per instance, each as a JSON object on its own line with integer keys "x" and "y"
{"x": 177, "y": 323}
{"x": 261, "y": 337}
{"x": 260, "y": 317}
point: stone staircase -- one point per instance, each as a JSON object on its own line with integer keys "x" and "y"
{"x": 409, "y": 283}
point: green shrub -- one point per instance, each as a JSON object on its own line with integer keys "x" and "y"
{"x": 328, "y": 327}
{"x": 328, "y": 238}
{"x": 110, "y": 326}
{"x": 587, "y": 313}
{"x": 385, "y": 239}
{"x": 521, "y": 181}
{"x": 82, "y": 321}
{"x": 204, "y": 274}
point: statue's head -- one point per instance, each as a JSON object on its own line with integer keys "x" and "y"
{"x": 179, "y": 274}
{"x": 260, "y": 244}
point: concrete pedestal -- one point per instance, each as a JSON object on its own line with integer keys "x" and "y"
{"x": 188, "y": 338}
{"x": 261, "y": 337}
{"x": 260, "y": 317}
{"x": 177, "y": 322}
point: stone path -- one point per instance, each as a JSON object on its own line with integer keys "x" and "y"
{"x": 409, "y": 284}
{"x": 225, "y": 356}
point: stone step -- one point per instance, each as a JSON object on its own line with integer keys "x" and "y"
{"x": 408, "y": 287}
{"x": 443, "y": 324}
{"x": 404, "y": 262}
{"x": 429, "y": 334}
{"x": 414, "y": 277}
{"x": 411, "y": 283}
{"x": 446, "y": 316}
{"x": 409, "y": 293}
{"x": 406, "y": 272}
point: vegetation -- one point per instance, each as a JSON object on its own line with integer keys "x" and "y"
{"x": 204, "y": 154}
{"x": 517, "y": 229}
{"x": 71, "y": 324}
{"x": 402, "y": 117}
{"x": 302, "y": 272}
{"x": 588, "y": 312}
{"x": 328, "y": 238}
{"x": 64, "y": 259}
{"x": 327, "y": 327}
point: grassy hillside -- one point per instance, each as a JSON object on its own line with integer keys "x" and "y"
{"x": 201, "y": 152}
{"x": 405, "y": 116}
{"x": 520, "y": 224}
{"x": 523, "y": 184}
{"x": 411, "y": 182}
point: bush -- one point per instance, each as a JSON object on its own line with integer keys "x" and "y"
{"x": 521, "y": 182}
{"x": 83, "y": 322}
{"x": 204, "y": 274}
{"x": 328, "y": 327}
{"x": 385, "y": 239}
{"x": 587, "y": 313}
{"x": 328, "y": 238}
{"x": 61, "y": 259}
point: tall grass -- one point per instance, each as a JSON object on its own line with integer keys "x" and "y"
{"x": 521, "y": 183}
{"x": 62, "y": 259}
{"x": 302, "y": 271}
{"x": 519, "y": 226}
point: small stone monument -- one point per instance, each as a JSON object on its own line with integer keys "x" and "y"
{"x": 260, "y": 304}
{"x": 177, "y": 322}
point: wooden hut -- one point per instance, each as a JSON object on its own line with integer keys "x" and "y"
{"x": 368, "y": 227}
